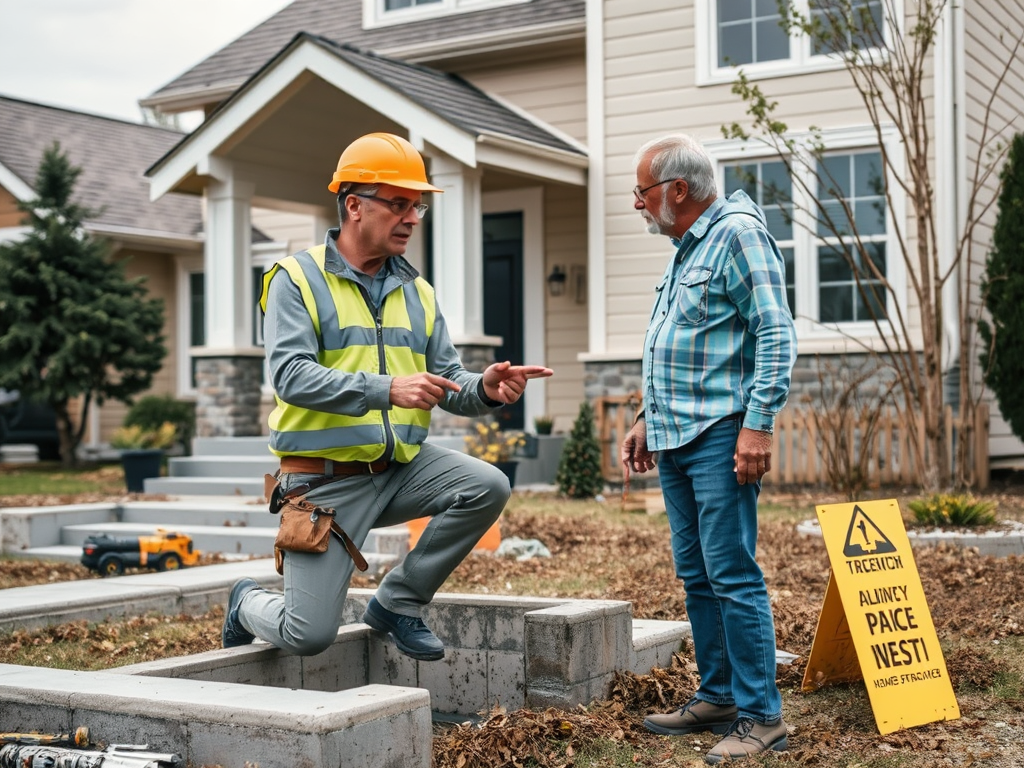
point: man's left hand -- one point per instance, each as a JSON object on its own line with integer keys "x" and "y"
{"x": 505, "y": 382}
{"x": 753, "y": 457}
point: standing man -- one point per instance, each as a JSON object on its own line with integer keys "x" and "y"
{"x": 359, "y": 355}
{"x": 716, "y": 369}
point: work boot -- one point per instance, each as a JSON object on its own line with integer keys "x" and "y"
{"x": 748, "y": 737}
{"x": 694, "y": 716}
{"x": 410, "y": 634}
{"x": 233, "y": 633}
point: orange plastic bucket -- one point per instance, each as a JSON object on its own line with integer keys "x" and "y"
{"x": 489, "y": 542}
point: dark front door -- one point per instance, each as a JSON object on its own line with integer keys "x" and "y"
{"x": 503, "y": 295}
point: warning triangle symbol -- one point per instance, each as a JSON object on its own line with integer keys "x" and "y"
{"x": 864, "y": 537}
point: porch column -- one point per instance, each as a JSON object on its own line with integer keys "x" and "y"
{"x": 229, "y": 368}
{"x": 458, "y": 247}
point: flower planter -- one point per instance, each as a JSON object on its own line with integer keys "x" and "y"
{"x": 509, "y": 468}
{"x": 140, "y": 464}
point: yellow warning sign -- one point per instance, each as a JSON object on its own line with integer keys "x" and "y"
{"x": 875, "y": 616}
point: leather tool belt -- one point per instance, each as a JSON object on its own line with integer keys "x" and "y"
{"x": 310, "y": 465}
{"x": 305, "y": 527}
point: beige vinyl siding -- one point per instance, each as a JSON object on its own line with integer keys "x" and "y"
{"x": 565, "y": 244}
{"x": 989, "y": 31}
{"x": 158, "y": 269}
{"x": 553, "y": 90}
{"x": 650, "y": 90}
{"x": 10, "y": 216}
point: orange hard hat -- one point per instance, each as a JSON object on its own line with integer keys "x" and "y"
{"x": 382, "y": 158}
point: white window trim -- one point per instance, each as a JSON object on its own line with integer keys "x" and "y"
{"x": 811, "y": 333}
{"x": 184, "y": 267}
{"x": 374, "y": 14}
{"x": 800, "y": 61}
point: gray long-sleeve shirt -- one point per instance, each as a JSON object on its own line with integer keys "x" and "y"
{"x": 299, "y": 379}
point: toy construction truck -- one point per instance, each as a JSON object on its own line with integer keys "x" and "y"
{"x": 164, "y": 551}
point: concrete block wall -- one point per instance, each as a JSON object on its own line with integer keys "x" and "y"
{"x": 226, "y": 724}
{"x": 509, "y": 651}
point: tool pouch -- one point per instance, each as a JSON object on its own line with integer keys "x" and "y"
{"x": 305, "y": 527}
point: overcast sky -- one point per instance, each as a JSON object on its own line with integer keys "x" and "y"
{"x": 101, "y": 56}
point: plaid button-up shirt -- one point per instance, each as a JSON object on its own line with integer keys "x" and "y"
{"x": 721, "y": 339}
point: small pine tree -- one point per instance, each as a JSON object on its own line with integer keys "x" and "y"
{"x": 579, "y": 470}
{"x": 1002, "y": 356}
{"x": 71, "y": 323}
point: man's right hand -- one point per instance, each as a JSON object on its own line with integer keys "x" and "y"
{"x": 421, "y": 390}
{"x": 634, "y": 449}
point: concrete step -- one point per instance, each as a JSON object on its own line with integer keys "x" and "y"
{"x": 205, "y": 538}
{"x": 214, "y": 510}
{"x": 390, "y": 543}
{"x": 222, "y": 466}
{"x": 231, "y": 446}
{"x": 205, "y": 486}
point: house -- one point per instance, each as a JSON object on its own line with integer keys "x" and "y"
{"x": 529, "y": 113}
{"x": 154, "y": 237}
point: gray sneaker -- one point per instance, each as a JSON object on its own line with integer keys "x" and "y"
{"x": 746, "y": 738}
{"x": 694, "y": 716}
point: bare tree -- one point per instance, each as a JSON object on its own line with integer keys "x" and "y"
{"x": 889, "y": 64}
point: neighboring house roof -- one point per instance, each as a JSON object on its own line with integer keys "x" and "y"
{"x": 112, "y": 155}
{"x": 341, "y": 20}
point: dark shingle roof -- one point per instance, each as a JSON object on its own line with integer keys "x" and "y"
{"x": 449, "y": 96}
{"x": 341, "y": 20}
{"x": 112, "y": 155}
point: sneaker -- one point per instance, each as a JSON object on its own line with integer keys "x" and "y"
{"x": 694, "y": 716}
{"x": 234, "y": 634}
{"x": 410, "y": 634}
{"x": 746, "y": 738}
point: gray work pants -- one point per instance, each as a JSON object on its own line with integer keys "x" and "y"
{"x": 463, "y": 495}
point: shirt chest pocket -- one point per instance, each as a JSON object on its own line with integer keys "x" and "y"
{"x": 691, "y": 301}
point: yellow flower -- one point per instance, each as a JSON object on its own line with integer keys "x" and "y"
{"x": 490, "y": 444}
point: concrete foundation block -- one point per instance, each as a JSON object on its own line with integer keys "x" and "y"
{"x": 654, "y": 642}
{"x": 577, "y": 641}
{"x": 506, "y": 680}
{"x": 346, "y": 664}
{"x": 388, "y": 665}
{"x": 225, "y": 724}
{"x": 457, "y": 683}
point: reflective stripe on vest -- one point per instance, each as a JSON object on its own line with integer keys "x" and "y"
{"x": 347, "y": 335}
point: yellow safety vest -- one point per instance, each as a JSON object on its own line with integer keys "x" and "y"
{"x": 350, "y": 339}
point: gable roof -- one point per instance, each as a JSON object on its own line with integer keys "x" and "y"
{"x": 341, "y": 20}
{"x": 440, "y": 108}
{"x": 449, "y": 96}
{"x": 112, "y": 155}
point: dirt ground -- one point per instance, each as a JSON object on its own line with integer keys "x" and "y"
{"x": 976, "y": 602}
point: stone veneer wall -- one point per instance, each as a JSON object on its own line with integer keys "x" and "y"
{"x": 228, "y": 396}
{"x": 475, "y": 358}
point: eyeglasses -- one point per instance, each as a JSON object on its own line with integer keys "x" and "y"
{"x": 398, "y": 207}
{"x": 639, "y": 193}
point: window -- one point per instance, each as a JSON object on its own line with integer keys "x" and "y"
{"x": 750, "y": 31}
{"x": 749, "y": 34}
{"x": 823, "y": 257}
{"x": 379, "y": 13}
{"x": 197, "y": 318}
{"x": 852, "y": 192}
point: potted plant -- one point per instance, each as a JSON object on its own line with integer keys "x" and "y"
{"x": 543, "y": 424}
{"x": 489, "y": 443}
{"x": 142, "y": 451}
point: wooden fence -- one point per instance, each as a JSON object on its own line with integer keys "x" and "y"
{"x": 881, "y": 446}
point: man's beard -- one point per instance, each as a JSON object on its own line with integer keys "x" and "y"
{"x": 655, "y": 225}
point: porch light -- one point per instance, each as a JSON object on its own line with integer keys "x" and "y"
{"x": 556, "y": 281}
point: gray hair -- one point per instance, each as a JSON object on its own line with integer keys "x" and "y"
{"x": 352, "y": 189}
{"x": 678, "y": 156}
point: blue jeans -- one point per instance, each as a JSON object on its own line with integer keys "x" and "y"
{"x": 713, "y": 520}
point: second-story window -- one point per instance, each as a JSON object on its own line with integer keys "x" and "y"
{"x": 380, "y": 13}
{"x": 752, "y": 34}
{"x": 394, "y": 5}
